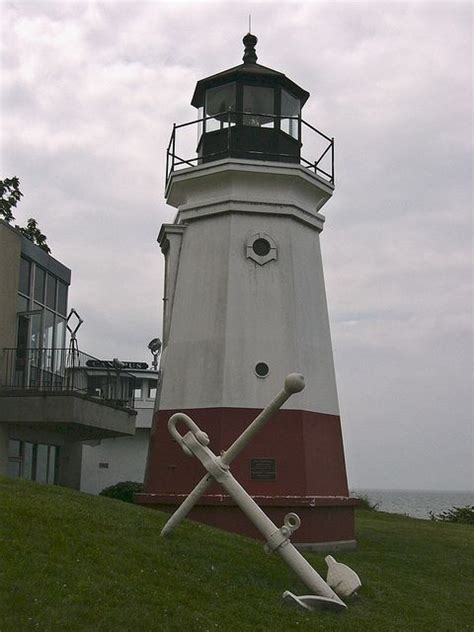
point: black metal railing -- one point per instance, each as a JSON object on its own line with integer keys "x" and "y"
{"x": 321, "y": 145}
{"x": 65, "y": 370}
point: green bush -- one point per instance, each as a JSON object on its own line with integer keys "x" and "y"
{"x": 123, "y": 491}
{"x": 463, "y": 515}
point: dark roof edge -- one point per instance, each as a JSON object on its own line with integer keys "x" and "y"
{"x": 39, "y": 256}
{"x": 242, "y": 71}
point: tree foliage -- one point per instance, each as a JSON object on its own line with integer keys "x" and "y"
{"x": 10, "y": 195}
{"x": 33, "y": 233}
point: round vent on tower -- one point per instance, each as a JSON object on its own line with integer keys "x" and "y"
{"x": 261, "y": 247}
{"x": 261, "y": 369}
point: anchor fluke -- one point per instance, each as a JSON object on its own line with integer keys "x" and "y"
{"x": 313, "y": 602}
{"x": 342, "y": 579}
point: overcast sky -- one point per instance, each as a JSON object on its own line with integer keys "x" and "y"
{"x": 89, "y": 95}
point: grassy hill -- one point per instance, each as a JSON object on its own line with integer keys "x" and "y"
{"x": 69, "y": 561}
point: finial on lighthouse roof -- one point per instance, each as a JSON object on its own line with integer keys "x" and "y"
{"x": 250, "y": 56}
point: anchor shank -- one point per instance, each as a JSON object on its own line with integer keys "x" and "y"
{"x": 188, "y": 503}
{"x": 257, "y": 424}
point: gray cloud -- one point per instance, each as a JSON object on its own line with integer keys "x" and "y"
{"x": 89, "y": 95}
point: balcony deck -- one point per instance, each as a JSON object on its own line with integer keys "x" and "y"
{"x": 48, "y": 389}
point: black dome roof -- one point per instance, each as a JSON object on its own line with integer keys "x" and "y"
{"x": 248, "y": 72}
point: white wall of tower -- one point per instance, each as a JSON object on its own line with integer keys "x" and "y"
{"x": 228, "y": 312}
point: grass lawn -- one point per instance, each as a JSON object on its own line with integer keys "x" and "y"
{"x": 69, "y": 561}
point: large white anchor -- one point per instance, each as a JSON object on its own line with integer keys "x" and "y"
{"x": 341, "y": 580}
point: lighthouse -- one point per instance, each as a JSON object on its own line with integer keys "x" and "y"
{"x": 245, "y": 305}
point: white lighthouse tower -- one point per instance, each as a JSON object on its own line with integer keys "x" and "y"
{"x": 245, "y": 304}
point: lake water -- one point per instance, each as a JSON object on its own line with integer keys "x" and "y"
{"x": 417, "y": 504}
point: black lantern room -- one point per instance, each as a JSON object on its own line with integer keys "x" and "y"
{"x": 249, "y": 111}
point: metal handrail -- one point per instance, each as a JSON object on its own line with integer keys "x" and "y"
{"x": 62, "y": 370}
{"x": 229, "y": 120}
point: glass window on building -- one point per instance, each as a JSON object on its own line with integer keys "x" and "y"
{"x": 48, "y": 329}
{"x": 96, "y": 386}
{"x": 35, "y": 331}
{"x": 25, "y": 273}
{"x": 257, "y": 102}
{"x": 14, "y": 468}
{"x": 51, "y": 291}
{"x": 40, "y": 282}
{"x": 14, "y": 449}
{"x": 290, "y": 107}
{"x": 33, "y": 461}
{"x": 137, "y": 389}
{"x": 62, "y": 298}
{"x": 21, "y": 303}
{"x": 27, "y": 466}
{"x": 41, "y": 328}
{"x": 53, "y": 464}
{"x": 60, "y": 332}
{"x": 152, "y": 389}
{"x": 42, "y": 454}
{"x": 48, "y": 354}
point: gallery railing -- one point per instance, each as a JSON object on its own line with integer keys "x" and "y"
{"x": 294, "y": 126}
{"x": 65, "y": 370}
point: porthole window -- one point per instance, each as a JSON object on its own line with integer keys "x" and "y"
{"x": 261, "y": 248}
{"x": 261, "y": 369}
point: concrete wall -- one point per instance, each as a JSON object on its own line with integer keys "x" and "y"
{"x": 144, "y": 416}
{"x": 10, "y": 249}
{"x": 124, "y": 456}
{"x": 69, "y": 474}
{"x": 80, "y": 417}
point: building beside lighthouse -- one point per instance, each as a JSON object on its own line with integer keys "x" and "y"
{"x": 245, "y": 305}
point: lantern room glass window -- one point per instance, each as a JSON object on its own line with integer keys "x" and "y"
{"x": 219, "y": 101}
{"x": 200, "y": 126}
{"x": 257, "y": 102}
{"x": 290, "y": 107}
